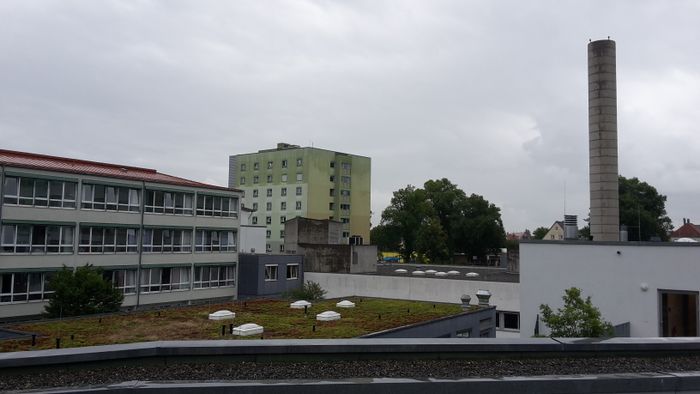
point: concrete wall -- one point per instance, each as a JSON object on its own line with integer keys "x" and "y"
{"x": 252, "y": 239}
{"x": 363, "y": 258}
{"x": 612, "y": 273}
{"x": 252, "y": 274}
{"x": 326, "y": 258}
{"x": 505, "y": 296}
{"x": 474, "y": 324}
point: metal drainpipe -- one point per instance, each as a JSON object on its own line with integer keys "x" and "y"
{"x": 140, "y": 245}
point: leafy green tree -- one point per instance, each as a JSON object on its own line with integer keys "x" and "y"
{"x": 432, "y": 241}
{"x": 408, "y": 209}
{"x": 386, "y": 238}
{"x": 446, "y": 199}
{"x": 643, "y": 210}
{"x": 82, "y": 292}
{"x": 479, "y": 228}
{"x": 578, "y": 317}
{"x": 540, "y": 232}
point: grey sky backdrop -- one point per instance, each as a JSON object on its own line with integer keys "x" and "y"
{"x": 489, "y": 94}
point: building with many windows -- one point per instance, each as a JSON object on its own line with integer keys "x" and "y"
{"x": 291, "y": 181}
{"x": 158, "y": 238}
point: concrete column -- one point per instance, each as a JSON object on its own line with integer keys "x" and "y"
{"x": 602, "y": 133}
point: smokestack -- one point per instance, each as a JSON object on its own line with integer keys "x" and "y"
{"x": 602, "y": 139}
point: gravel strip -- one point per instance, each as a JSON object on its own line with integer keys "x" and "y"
{"x": 448, "y": 369}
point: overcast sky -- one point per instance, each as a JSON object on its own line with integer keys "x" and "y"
{"x": 489, "y": 94}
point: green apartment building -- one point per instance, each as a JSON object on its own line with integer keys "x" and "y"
{"x": 291, "y": 181}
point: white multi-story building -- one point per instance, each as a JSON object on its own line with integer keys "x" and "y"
{"x": 158, "y": 238}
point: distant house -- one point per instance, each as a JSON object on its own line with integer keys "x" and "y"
{"x": 686, "y": 232}
{"x": 518, "y": 236}
{"x": 556, "y": 232}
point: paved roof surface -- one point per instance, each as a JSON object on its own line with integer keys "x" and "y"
{"x": 85, "y": 167}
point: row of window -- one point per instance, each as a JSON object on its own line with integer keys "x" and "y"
{"x": 62, "y": 194}
{"x": 52, "y": 239}
{"x": 271, "y": 272}
{"x": 268, "y": 233}
{"x": 24, "y": 286}
{"x": 271, "y": 164}
{"x": 284, "y": 178}
{"x": 16, "y": 287}
{"x": 268, "y": 219}
{"x": 283, "y": 206}
{"x": 283, "y": 192}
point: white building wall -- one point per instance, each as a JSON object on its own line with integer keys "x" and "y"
{"x": 503, "y": 295}
{"x": 252, "y": 238}
{"x": 611, "y": 273}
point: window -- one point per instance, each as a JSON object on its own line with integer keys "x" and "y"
{"x": 242, "y": 166}
{"x": 299, "y": 162}
{"x": 292, "y": 271}
{"x": 108, "y": 240}
{"x": 345, "y": 180}
{"x": 256, "y": 166}
{"x": 345, "y": 220}
{"x": 270, "y": 272}
{"x": 283, "y": 206}
{"x": 269, "y": 179}
{"x": 255, "y": 192}
{"x": 268, "y": 206}
{"x": 298, "y": 190}
{"x": 466, "y": 333}
{"x": 346, "y": 234}
{"x": 283, "y": 191}
{"x": 281, "y": 233}
{"x": 345, "y": 193}
{"x": 268, "y": 234}
{"x": 345, "y": 207}
{"x": 155, "y": 280}
{"x": 214, "y": 276}
{"x": 209, "y": 205}
{"x": 256, "y": 179}
{"x": 284, "y": 163}
{"x": 268, "y": 248}
{"x": 300, "y": 177}
{"x": 24, "y": 286}
{"x": 163, "y": 240}
{"x": 215, "y": 241}
{"x": 255, "y": 206}
{"x": 331, "y": 192}
{"x": 255, "y": 220}
{"x": 169, "y": 203}
{"x": 268, "y": 220}
{"x": 298, "y": 205}
{"x": 332, "y": 178}
{"x": 331, "y": 206}
{"x": 284, "y": 177}
{"x": 39, "y": 192}
{"x": 269, "y": 165}
{"x": 281, "y": 248}
{"x": 242, "y": 180}
{"x": 124, "y": 280}
{"x": 332, "y": 164}
{"x": 36, "y": 239}
{"x": 283, "y": 219}
{"x": 269, "y": 192}
{"x": 110, "y": 198}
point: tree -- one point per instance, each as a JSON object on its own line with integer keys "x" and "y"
{"x": 409, "y": 208}
{"x": 578, "y": 318}
{"x": 386, "y": 238}
{"x": 432, "y": 241}
{"x": 643, "y": 210}
{"x": 82, "y": 292}
{"x": 446, "y": 199}
{"x": 479, "y": 228}
{"x": 540, "y": 232}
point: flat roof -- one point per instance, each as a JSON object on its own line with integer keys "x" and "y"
{"x": 85, "y": 167}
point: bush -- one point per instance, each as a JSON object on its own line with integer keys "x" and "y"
{"x": 309, "y": 291}
{"x": 578, "y": 318}
{"x": 82, "y": 292}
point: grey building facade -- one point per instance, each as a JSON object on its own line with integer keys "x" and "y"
{"x": 158, "y": 238}
{"x": 270, "y": 274}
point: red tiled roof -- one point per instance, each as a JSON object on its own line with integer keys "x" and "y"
{"x": 85, "y": 167}
{"x": 688, "y": 230}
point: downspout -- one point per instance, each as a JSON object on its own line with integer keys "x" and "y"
{"x": 140, "y": 244}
